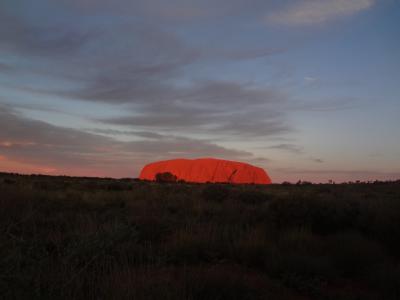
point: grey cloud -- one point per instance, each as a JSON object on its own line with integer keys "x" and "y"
{"x": 242, "y": 54}
{"x": 294, "y": 149}
{"x": 288, "y": 147}
{"x": 261, "y": 159}
{"x": 216, "y": 107}
{"x": 219, "y": 125}
{"x": 30, "y": 141}
{"x": 294, "y": 13}
{"x": 141, "y": 65}
{"x": 93, "y": 52}
{"x": 143, "y": 134}
{"x": 122, "y": 87}
{"x": 186, "y": 147}
{"x": 317, "y": 160}
{"x": 339, "y": 175}
{"x": 170, "y": 11}
{"x": 17, "y": 35}
{"x": 6, "y": 68}
{"x": 251, "y": 54}
{"x": 143, "y": 77}
{"x": 36, "y": 140}
{"x": 327, "y": 105}
{"x": 261, "y": 122}
{"x": 103, "y": 55}
{"x": 234, "y": 94}
{"x": 122, "y": 56}
{"x": 308, "y": 12}
{"x": 167, "y": 121}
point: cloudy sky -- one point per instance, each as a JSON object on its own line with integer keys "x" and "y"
{"x": 307, "y": 89}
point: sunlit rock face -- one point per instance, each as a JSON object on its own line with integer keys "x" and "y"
{"x": 204, "y": 170}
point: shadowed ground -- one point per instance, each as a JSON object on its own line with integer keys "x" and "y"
{"x": 82, "y": 238}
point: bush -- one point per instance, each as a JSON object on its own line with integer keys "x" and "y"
{"x": 323, "y": 216}
{"x": 9, "y": 181}
{"x": 253, "y": 197}
{"x": 215, "y": 193}
{"x": 166, "y": 177}
{"x": 103, "y": 238}
{"x": 353, "y": 255}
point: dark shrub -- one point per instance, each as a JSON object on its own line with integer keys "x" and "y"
{"x": 386, "y": 277}
{"x": 332, "y": 216}
{"x": 9, "y": 181}
{"x": 118, "y": 186}
{"x": 289, "y": 212}
{"x": 303, "y": 253}
{"x": 353, "y": 255}
{"x": 253, "y": 197}
{"x": 165, "y": 177}
{"x": 101, "y": 238}
{"x": 303, "y": 183}
{"x": 306, "y": 285}
{"x": 321, "y": 215}
{"x": 215, "y": 193}
{"x": 223, "y": 283}
{"x": 380, "y": 219}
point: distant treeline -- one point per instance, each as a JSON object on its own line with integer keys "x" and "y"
{"x": 170, "y": 178}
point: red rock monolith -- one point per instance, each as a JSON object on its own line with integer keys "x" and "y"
{"x": 204, "y": 170}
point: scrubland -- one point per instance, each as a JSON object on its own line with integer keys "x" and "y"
{"x": 93, "y": 238}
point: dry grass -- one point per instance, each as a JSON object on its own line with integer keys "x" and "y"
{"x": 80, "y": 238}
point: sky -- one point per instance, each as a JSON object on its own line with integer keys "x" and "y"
{"x": 306, "y": 89}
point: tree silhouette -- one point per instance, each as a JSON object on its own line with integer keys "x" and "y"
{"x": 166, "y": 177}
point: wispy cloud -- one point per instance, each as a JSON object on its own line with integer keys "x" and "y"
{"x": 6, "y": 68}
{"x": 176, "y": 78}
{"x": 317, "y": 160}
{"x": 311, "y": 79}
{"x": 292, "y": 148}
{"x": 166, "y": 11}
{"x": 133, "y": 70}
{"x": 28, "y": 142}
{"x": 19, "y": 36}
{"x": 307, "y": 12}
{"x": 210, "y": 107}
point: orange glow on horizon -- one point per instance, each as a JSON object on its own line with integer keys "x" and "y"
{"x": 125, "y": 170}
{"x": 6, "y": 144}
{"x": 9, "y": 144}
{"x": 24, "y": 168}
{"x": 11, "y": 166}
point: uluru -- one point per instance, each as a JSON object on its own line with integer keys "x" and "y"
{"x": 203, "y": 170}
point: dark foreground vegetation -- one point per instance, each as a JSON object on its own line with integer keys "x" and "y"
{"x": 81, "y": 238}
